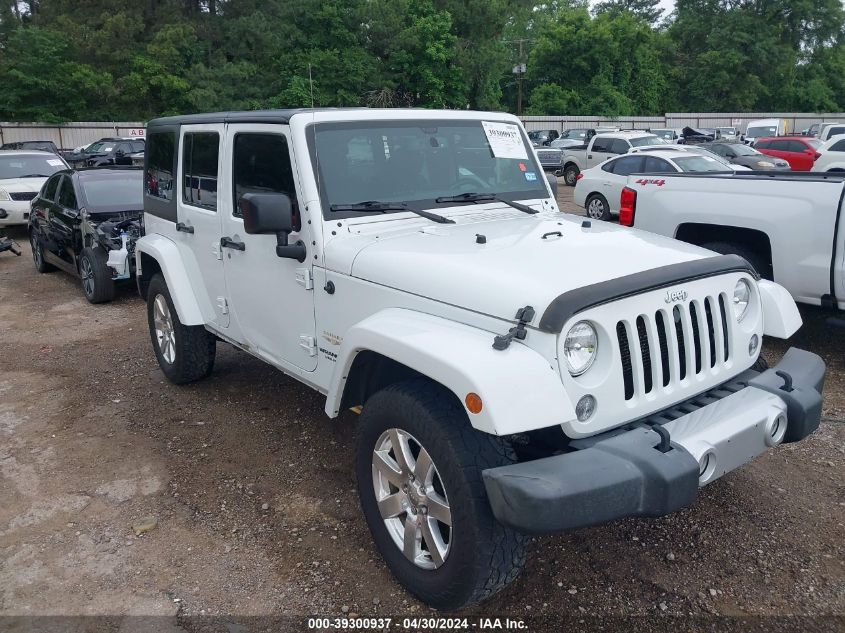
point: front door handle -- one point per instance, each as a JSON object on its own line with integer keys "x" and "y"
{"x": 184, "y": 228}
{"x": 228, "y": 242}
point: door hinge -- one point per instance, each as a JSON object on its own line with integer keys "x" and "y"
{"x": 309, "y": 344}
{"x": 223, "y": 304}
{"x": 304, "y": 278}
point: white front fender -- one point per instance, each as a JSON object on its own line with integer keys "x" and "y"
{"x": 166, "y": 253}
{"x": 520, "y": 390}
{"x": 781, "y": 318}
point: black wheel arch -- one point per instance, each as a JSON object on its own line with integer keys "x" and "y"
{"x": 746, "y": 238}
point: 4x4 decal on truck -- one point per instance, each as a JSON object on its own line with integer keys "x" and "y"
{"x": 651, "y": 181}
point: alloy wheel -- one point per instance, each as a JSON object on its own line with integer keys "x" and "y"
{"x": 163, "y": 325}
{"x": 595, "y": 209}
{"x": 37, "y": 256}
{"x": 86, "y": 270}
{"x": 412, "y": 499}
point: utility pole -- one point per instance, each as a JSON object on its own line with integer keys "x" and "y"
{"x": 519, "y": 71}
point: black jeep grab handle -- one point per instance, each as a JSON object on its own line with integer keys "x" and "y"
{"x": 180, "y": 226}
{"x": 228, "y": 242}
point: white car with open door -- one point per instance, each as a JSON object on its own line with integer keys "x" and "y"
{"x": 598, "y": 189}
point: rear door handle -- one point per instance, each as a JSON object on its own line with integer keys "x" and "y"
{"x": 184, "y": 228}
{"x": 228, "y": 242}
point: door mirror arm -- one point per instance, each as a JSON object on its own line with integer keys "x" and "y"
{"x": 289, "y": 251}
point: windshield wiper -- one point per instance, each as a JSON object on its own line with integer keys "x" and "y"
{"x": 374, "y": 206}
{"x": 485, "y": 197}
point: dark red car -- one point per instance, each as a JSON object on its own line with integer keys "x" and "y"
{"x": 799, "y": 151}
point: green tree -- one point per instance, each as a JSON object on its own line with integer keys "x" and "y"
{"x": 648, "y": 10}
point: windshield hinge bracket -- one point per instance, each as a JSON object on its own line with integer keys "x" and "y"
{"x": 518, "y": 332}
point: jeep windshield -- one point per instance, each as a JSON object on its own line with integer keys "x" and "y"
{"x": 417, "y": 162}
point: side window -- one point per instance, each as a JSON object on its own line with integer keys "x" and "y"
{"x": 158, "y": 181}
{"x": 261, "y": 164}
{"x": 67, "y": 196}
{"x": 137, "y": 146}
{"x": 838, "y": 146}
{"x": 50, "y": 187}
{"x": 126, "y": 148}
{"x": 779, "y": 146}
{"x": 628, "y": 165}
{"x": 721, "y": 150}
{"x": 833, "y": 131}
{"x": 763, "y": 144}
{"x": 797, "y": 146}
{"x": 200, "y": 151}
{"x": 619, "y": 146}
{"x": 601, "y": 144}
{"x": 657, "y": 165}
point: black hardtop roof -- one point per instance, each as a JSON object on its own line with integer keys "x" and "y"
{"x": 243, "y": 116}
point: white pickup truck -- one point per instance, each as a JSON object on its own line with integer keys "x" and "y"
{"x": 574, "y": 160}
{"x": 789, "y": 225}
{"x": 517, "y": 370}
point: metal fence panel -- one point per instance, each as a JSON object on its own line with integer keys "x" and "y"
{"x": 69, "y": 135}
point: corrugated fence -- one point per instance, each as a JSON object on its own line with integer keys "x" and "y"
{"x": 72, "y": 135}
{"x": 68, "y": 135}
{"x": 797, "y": 121}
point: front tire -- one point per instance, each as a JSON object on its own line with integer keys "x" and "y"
{"x": 418, "y": 465}
{"x": 96, "y": 276}
{"x": 570, "y": 175}
{"x": 597, "y": 207}
{"x": 185, "y": 353}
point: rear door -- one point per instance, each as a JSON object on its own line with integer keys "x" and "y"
{"x": 616, "y": 179}
{"x": 802, "y": 155}
{"x": 777, "y": 148}
{"x": 198, "y": 223}
{"x": 272, "y": 298}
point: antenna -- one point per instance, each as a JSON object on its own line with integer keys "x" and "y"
{"x": 311, "y": 84}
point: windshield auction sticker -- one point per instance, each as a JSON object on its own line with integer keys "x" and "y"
{"x": 505, "y": 140}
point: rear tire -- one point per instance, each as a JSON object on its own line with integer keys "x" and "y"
{"x": 751, "y": 256}
{"x": 185, "y": 353}
{"x": 38, "y": 254}
{"x": 481, "y": 556}
{"x": 597, "y": 207}
{"x": 570, "y": 175}
{"x": 96, "y": 276}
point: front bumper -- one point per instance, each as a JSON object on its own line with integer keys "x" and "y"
{"x": 624, "y": 472}
{"x": 14, "y": 212}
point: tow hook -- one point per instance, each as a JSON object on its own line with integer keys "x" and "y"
{"x": 523, "y": 316}
{"x": 787, "y": 381}
{"x": 664, "y": 446}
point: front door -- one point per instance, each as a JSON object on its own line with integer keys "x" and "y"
{"x": 198, "y": 212}
{"x": 272, "y": 298}
{"x": 64, "y": 218}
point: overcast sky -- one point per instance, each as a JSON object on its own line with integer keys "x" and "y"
{"x": 666, "y": 5}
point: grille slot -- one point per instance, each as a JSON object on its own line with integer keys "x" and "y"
{"x": 667, "y": 347}
{"x": 21, "y": 196}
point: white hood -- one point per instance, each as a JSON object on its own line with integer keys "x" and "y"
{"x": 514, "y": 268}
{"x": 22, "y": 184}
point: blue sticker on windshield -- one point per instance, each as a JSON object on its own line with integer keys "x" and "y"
{"x": 530, "y": 175}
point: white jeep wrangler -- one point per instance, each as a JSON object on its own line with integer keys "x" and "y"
{"x": 518, "y": 370}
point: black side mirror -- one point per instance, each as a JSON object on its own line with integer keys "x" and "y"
{"x": 265, "y": 213}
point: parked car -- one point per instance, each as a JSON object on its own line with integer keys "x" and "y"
{"x": 85, "y": 222}
{"x": 813, "y": 130}
{"x": 540, "y": 138}
{"x": 110, "y": 151}
{"x": 670, "y": 135}
{"x": 787, "y": 226}
{"x": 41, "y": 146}
{"x": 573, "y": 137}
{"x": 600, "y": 148}
{"x": 22, "y": 173}
{"x": 799, "y": 151}
{"x": 764, "y": 128}
{"x": 495, "y": 399}
{"x": 741, "y": 154}
{"x": 727, "y": 133}
{"x": 831, "y": 155}
{"x": 829, "y": 130}
{"x": 598, "y": 189}
{"x": 692, "y": 149}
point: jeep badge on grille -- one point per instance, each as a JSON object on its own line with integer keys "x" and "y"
{"x": 675, "y": 295}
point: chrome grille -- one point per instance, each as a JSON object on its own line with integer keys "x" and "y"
{"x": 670, "y": 345}
{"x": 549, "y": 157}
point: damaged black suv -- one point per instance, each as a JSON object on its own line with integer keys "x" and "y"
{"x": 86, "y": 221}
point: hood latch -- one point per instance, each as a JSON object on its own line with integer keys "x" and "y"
{"x": 523, "y": 316}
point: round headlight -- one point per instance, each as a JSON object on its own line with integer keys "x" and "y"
{"x": 579, "y": 347}
{"x": 742, "y": 294}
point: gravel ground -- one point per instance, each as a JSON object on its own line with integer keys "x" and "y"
{"x": 256, "y": 513}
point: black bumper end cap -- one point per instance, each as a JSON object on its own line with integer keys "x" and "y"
{"x": 622, "y": 476}
{"x": 804, "y": 401}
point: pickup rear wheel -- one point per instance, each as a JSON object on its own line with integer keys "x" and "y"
{"x": 418, "y": 465}
{"x": 570, "y": 175}
{"x": 185, "y": 353}
{"x": 597, "y": 207}
{"x": 97, "y": 282}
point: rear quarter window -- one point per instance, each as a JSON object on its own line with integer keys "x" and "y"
{"x": 159, "y": 169}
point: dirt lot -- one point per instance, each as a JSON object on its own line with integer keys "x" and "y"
{"x": 257, "y": 514}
